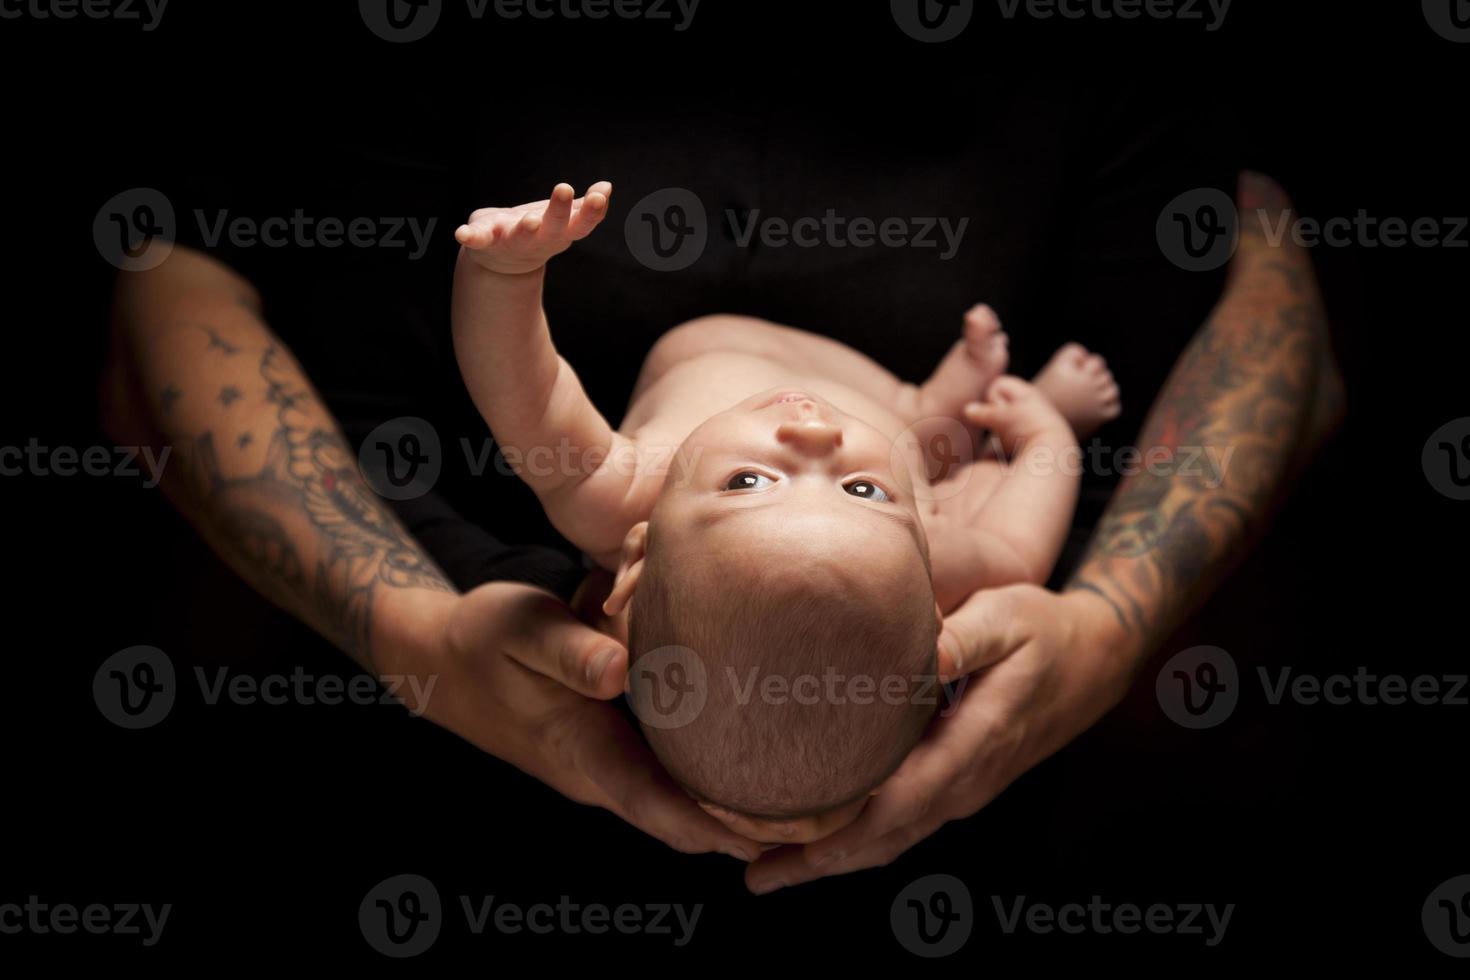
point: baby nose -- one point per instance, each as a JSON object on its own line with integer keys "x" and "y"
{"x": 812, "y": 435}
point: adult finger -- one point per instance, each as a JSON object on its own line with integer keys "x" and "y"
{"x": 989, "y": 627}
{"x": 550, "y": 640}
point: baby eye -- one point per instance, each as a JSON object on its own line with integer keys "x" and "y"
{"x": 866, "y": 489}
{"x": 748, "y": 480}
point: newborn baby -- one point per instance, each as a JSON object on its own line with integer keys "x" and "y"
{"x": 775, "y": 504}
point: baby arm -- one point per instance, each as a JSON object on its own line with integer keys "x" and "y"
{"x": 1010, "y": 527}
{"x": 583, "y": 472}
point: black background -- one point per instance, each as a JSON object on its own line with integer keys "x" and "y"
{"x": 1326, "y": 826}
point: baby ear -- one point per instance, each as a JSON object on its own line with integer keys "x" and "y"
{"x": 630, "y": 568}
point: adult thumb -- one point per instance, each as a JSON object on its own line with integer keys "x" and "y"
{"x": 989, "y": 627}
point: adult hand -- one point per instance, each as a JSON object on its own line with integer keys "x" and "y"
{"x": 1046, "y": 666}
{"x": 519, "y": 676}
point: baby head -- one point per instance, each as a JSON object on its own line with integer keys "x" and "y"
{"x": 782, "y": 628}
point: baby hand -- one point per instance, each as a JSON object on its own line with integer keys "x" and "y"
{"x": 512, "y": 241}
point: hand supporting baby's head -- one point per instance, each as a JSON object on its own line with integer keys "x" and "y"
{"x": 782, "y": 664}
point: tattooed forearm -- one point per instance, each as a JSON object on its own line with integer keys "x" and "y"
{"x": 261, "y": 468}
{"x": 1251, "y": 390}
{"x": 309, "y": 472}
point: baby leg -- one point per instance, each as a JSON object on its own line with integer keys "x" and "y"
{"x": 975, "y": 360}
{"x": 1081, "y": 387}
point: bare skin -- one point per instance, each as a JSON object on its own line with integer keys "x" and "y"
{"x": 1258, "y": 376}
{"x": 798, "y": 391}
{"x": 769, "y": 445}
{"x": 261, "y": 470}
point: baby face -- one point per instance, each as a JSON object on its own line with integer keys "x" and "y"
{"x": 786, "y": 477}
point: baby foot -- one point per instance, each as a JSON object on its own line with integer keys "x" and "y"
{"x": 1081, "y": 387}
{"x": 969, "y": 367}
{"x": 521, "y": 239}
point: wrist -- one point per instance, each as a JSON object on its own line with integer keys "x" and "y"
{"x": 1102, "y": 628}
{"x": 480, "y": 266}
{"x": 408, "y": 628}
